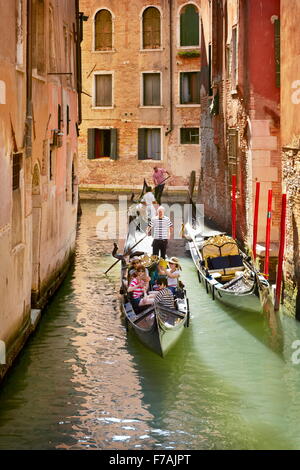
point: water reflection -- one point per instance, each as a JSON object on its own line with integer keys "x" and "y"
{"x": 83, "y": 383}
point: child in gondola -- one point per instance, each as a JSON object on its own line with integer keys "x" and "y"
{"x": 139, "y": 286}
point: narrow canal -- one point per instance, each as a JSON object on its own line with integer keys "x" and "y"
{"x": 82, "y": 383}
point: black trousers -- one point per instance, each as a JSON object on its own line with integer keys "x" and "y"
{"x": 158, "y": 192}
{"x": 160, "y": 246}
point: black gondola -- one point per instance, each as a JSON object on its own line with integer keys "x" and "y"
{"x": 156, "y": 326}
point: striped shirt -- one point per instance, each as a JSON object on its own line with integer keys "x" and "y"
{"x": 160, "y": 227}
{"x": 138, "y": 290}
{"x": 165, "y": 297}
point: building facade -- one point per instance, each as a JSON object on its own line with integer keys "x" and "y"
{"x": 141, "y": 103}
{"x": 38, "y": 159}
{"x": 290, "y": 140}
{"x": 240, "y": 113}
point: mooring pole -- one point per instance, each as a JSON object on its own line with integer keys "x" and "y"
{"x": 268, "y": 232}
{"x": 281, "y": 252}
{"x": 233, "y": 207}
{"x": 255, "y": 221}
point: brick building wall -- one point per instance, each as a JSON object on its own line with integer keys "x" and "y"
{"x": 38, "y": 160}
{"x": 126, "y": 60}
{"x": 290, "y": 139}
{"x": 240, "y": 111}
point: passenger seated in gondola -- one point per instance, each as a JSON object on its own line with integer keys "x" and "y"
{"x": 173, "y": 273}
{"x": 164, "y": 296}
{"x": 158, "y": 272}
{"x": 139, "y": 287}
{"x": 133, "y": 265}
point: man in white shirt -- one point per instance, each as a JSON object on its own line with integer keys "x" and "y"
{"x": 149, "y": 200}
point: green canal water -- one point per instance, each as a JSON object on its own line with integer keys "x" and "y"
{"x": 82, "y": 383}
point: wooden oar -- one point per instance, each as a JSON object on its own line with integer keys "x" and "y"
{"x": 162, "y": 181}
{"x": 125, "y": 254}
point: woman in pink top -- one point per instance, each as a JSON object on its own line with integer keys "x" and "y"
{"x": 158, "y": 178}
{"x": 139, "y": 286}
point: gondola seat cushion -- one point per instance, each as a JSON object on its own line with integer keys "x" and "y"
{"x": 219, "y": 262}
{"x": 235, "y": 261}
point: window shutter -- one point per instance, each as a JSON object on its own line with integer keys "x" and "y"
{"x": 277, "y": 51}
{"x": 103, "y": 31}
{"x": 152, "y": 89}
{"x": 189, "y": 26}
{"x": 113, "y": 144}
{"x": 155, "y": 138}
{"x": 91, "y": 144}
{"x": 141, "y": 144}
{"x": 103, "y": 90}
{"x": 151, "y": 28}
{"x": 232, "y": 150}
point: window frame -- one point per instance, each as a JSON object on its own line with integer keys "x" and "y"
{"x": 188, "y": 143}
{"x": 103, "y": 72}
{"x": 178, "y": 27}
{"x": 191, "y": 105}
{"x": 142, "y": 29}
{"x": 142, "y": 105}
{"x": 112, "y": 32}
{"x": 104, "y": 128}
{"x": 161, "y": 143}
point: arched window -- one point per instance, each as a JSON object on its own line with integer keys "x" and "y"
{"x": 189, "y": 26}
{"x": 103, "y": 31}
{"x": 151, "y": 28}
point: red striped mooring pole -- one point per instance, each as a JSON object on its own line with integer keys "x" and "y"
{"x": 233, "y": 207}
{"x": 268, "y": 232}
{"x": 281, "y": 252}
{"x": 255, "y": 221}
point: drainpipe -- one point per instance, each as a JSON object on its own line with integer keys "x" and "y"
{"x": 171, "y": 70}
{"x": 28, "y": 125}
{"x": 78, "y": 59}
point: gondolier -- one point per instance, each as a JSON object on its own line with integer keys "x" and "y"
{"x": 159, "y": 177}
{"x": 161, "y": 227}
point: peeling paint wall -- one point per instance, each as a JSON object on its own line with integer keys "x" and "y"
{"x": 37, "y": 218}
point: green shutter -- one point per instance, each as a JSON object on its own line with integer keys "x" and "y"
{"x": 113, "y": 144}
{"x": 277, "y": 51}
{"x": 189, "y": 26}
{"x": 141, "y": 144}
{"x": 91, "y": 143}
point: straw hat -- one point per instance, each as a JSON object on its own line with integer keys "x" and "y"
{"x": 174, "y": 260}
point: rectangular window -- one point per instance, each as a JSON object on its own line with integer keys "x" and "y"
{"x": 38, "y": 35}
{"x": 52, "y": 47}
{"x": 189, "y": 135}
{"x": 68, "y": 119}
{"x": 149, "y": 144}
{"x": 234, "y": 59}
{"x": 102, "y": 143}
{"x": 210, "y": 90}
{"x": 151, "y": 87}
{"x": 190, "y": 88}
{"x": 103, "y": 90}
{"x": 16, "y": 171}
{"x": 277, "y": 51}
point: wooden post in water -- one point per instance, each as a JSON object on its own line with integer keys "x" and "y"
{"x": 255, "y": 221}
{"x": 233, "y": 207}
{"x": 192, "y": 182}
{"x": 268, "y": 232}
{"x": 281, "y": 252}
